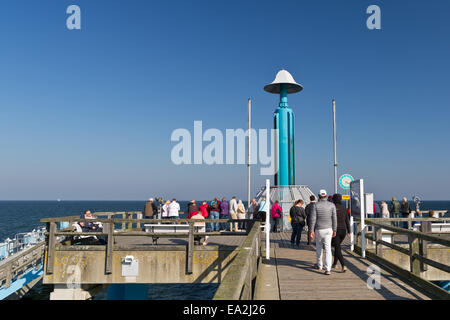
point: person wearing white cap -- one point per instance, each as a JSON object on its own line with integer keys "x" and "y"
{"x": 323, "y": 228}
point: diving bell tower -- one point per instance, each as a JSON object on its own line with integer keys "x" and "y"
{"x": 283, "y": 119}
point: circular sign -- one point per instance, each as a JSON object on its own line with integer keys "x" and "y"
{"x": 345, "y": 180}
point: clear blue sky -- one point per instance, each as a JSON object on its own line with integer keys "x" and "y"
{"x": 88, "y": 114}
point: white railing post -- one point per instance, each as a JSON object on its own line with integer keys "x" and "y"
{"x": 352, "y": 231}
{"x": 363, "y": 225}
{"x": 267, "y": 226}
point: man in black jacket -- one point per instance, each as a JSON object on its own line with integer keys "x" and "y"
{"x": 343, "y": 228}
{"x": 298, "y": 218}
{"x": 405, "y": 210}
{"x": 308, "y": 209}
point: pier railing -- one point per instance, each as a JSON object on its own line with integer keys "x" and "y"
{"x": 55, "y": 239}
{"x": 238, "y": 283}
{"x": 416, "y": 249}
{"x": 20, "y": 263}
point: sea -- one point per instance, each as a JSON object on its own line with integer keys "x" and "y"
{"x": 24, "y": 216}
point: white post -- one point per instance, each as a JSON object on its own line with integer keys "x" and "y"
{"x": 267, "y": 225}
{"x": 352, "y": 243}
{"x": 335, "y": 147}
{"x": 363, "y": 214}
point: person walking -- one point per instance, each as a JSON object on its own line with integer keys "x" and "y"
{"x": 384, "y": 210}
{"x": 224, "y": 212}
{"x": 395, "y": 209}
{"x": 343, "y": 228}
{"x": 174, "y": 209}
{"x": 233, "y": 214}
{"x": 312, "y": 202}
{"x": 214, "y": 214}
{"x": 276, "y": 215}
{"x": 323, "y": 229}
{"x": 241, "y": 215}
{"x": 298, "y": 220}
{"x": 405, "y": 210}
{"x": 150, "y": 209}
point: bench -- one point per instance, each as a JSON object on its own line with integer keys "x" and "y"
{"x": 435, "y": 227}
{"x": 168, "y": 228}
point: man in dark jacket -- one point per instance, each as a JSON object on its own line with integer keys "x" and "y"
{"x": 150, "y": 209}
{"x": 298, "y": 219}
{"x": 405, "y": 211}
{"x": 395, "y": 209}
{"x": 308, "y": 209}
{"x": 343, "y": 228}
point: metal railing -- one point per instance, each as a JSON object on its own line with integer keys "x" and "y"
{"x": 21, "y": 241}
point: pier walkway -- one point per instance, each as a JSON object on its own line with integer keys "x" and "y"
{"x": 292, "y": 272}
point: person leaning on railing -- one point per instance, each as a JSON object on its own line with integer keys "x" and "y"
{"x": 395, "y": 209}
{"x": 405, "y": 211}
{"x": 433, "y": 214}
{"x": 90, "y": 226}
{"x": 150, "y": 209}
{"x": 384, "y": 210}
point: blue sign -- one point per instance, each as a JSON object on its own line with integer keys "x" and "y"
{"x": 345, "y": 180}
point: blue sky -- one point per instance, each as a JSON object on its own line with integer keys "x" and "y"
{"x": 88, "y": 114}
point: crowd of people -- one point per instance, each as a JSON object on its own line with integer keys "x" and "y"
{"x": 327, "y": 219}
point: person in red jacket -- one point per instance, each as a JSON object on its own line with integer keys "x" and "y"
{"x": 193, "y": 213}
{"x": 204, "y": 209}
{"x": 276, "y": 214}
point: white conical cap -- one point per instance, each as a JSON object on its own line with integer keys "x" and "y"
{"x": 283, "y": 77}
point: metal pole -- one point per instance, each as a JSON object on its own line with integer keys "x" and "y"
{"x": 335, "y": 147}
{"x": 267, "y": 225}
{"x": 363, "y": 214}
{"x": 249, "y": 147}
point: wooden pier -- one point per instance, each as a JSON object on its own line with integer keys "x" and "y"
{"x": 299, "y": 280}
{"x": 235, "y": 261}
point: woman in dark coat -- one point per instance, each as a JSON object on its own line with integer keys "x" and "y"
{"x": 343, "y": 228}
{"x": 298, "y": 219}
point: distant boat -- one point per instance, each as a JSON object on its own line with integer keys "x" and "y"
{"x": 58, "y": 200}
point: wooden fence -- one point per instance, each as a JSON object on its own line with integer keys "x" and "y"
{"x": 417, "y": 251}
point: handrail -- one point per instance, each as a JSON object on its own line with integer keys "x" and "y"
{"x": 19, "y": 263}
{"x": 237, "y": 283}
{"x": 418, "y": 248}
{"x": 114, "y": 220}
{"x": 420, "y": 235}
{"x": 410, "y": 219}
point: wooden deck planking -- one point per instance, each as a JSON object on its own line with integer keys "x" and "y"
{"x": 297, "y": 279}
